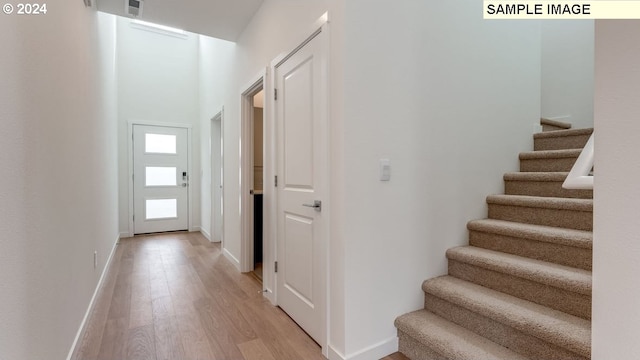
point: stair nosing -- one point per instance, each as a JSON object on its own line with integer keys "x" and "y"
{"x": 448, "y": 332}
{"x": 549, "y": 154}
{"x": 539, "y": 271}
{"x": 544, "y": 202}
{"x": 556, "y": 123}
{"x": 549, "y": 234}
{"x": 562, "y": 133}
{"x": 542, "y": 176}
{"x": 519, "y": 314}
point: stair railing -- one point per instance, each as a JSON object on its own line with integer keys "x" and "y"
{"x": 581, "y": 176}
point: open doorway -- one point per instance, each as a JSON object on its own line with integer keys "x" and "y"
{"x": 217, "y": 176}
{"x": 252, "y": 178}
{"x": 258, "y": 181}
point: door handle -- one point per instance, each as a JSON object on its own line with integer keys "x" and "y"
{"x": 317, "y": 205}
{"x": 184, "y": 184}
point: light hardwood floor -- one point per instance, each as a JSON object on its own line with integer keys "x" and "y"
{"x": 175, "y": 296}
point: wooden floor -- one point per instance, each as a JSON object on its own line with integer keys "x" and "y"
{"x": 174, "y": 296}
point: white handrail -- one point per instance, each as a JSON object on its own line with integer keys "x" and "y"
{"x": 579, "y": 177}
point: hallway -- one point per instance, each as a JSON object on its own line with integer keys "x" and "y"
{"x": 175, "y": 296}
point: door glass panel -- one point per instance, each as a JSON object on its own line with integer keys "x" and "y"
{"x": 161, "y": 208}
{"x": 160, "y": 176}
{"x": 159, "y": 144}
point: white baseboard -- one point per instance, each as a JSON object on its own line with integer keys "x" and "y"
{"x": 124, "y": 235}
{"x": 376, "y": 351}
{"x": 206, "y": 234}
{"x": 231, "y": 258}
{"x": 93, "y": 299}
{"x": 335, "y": 355}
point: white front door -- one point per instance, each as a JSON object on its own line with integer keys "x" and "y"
{"x": 160, "y": 179}
{"x": 302, "y": 232}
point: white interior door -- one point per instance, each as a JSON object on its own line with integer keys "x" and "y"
{"x": 302, "y": 181}
{"x": 160, "y": 179}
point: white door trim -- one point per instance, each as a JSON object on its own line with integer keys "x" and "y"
{"x": 260, "y": 81}
{"x": 131, "y": 123}
{"x": 320, "y": 26}
{"x": 246, "y": 171}
{"x": 217, "y": 117}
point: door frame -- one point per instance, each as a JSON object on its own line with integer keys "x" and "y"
{"x": 130, "y": 157}
{"x": 246, "y": 170}
{"x": 217, "y": 117}
{"x": 261, "y": 81}
{"x": 321, "y": 26}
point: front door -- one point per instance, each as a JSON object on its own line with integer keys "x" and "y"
{"x": 302, "y": 187}
{"x": 160, "y": 179}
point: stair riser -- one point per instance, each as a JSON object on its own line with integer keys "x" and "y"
{"x": 571, "y": 219}
{"x": 544, "y": 188}
{"x": 555, "y": 253}
{"x": 547, "y": 164}
{"x": 561, "y": 142}
{"x": 546, "y": 127}
{"x": 413, "y": 349}
{"x": 553, "y": 297}
{"x": 505, "y": 335}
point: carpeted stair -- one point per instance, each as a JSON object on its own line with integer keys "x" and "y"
{"x": 551, "y": 125}
{"x": 522, "y": 288}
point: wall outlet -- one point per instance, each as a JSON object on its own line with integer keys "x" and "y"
{"x": 95, "y": 259}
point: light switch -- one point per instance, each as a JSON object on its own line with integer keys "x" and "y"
{"x": 385, "y": 170}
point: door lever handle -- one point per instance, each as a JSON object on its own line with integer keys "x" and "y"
{"x": 317, "y": 205}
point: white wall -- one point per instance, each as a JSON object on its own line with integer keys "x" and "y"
{"x": 58, "y": 199}
{"x": 215, "y": 65}
{"x": 450, "y": 99}
{"x": 158, "y": 82}
{"x": 567, "y": 71}
{"x": 616, "y": 237}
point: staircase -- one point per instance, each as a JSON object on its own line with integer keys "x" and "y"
{"x": 521, "y": 289}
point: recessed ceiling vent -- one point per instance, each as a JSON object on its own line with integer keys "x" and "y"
{"x": 133, "y": 7}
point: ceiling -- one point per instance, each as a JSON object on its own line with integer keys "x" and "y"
{"x": 222, "y": 19}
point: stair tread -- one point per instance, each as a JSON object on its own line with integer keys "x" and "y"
{"x": 559, "y": 276}
{"x": 561, "y": 124}
{"x": 562, "y": 133}
{"x": 549, "y": 154}
{"x": 536, "y": 176}
{"x": 451, "y": 340}
{"x": 562, "y": 236}
{"x": 542, "y": 202}
{"x": 564, "y": 330}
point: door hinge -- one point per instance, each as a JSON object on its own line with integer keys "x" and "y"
{"x": 276, "y": 181}
{"x": 275, "y": 94}
{"x": 134, "y": 218}
{"x": 276, "y": 266}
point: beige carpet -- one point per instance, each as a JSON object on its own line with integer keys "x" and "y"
{"x": 522, "y": 288}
